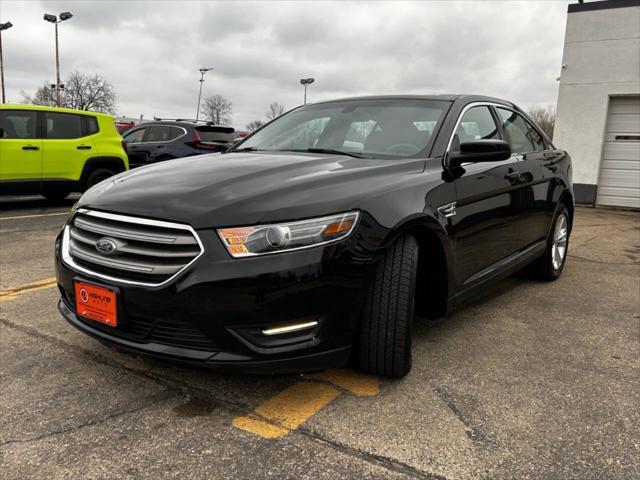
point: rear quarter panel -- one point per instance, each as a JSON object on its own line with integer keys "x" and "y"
{"x": 109, "y": 142}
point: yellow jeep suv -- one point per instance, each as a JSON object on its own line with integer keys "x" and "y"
{"x": 56, "y": 151}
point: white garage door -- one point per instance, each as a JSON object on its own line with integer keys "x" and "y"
{"x": 619, "y": 183}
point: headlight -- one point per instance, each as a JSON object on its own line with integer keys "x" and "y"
{"x": 73, "y": 210}
{"x": 282, "y": 237}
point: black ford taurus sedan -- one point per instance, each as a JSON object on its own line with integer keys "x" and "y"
{"x": 319, "y": 237}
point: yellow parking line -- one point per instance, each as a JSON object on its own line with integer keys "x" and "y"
{"x": 287, "y": 410}
{"x": 298, "y": 403}
{"x": 8, "y": 294}
{"x": 35, "y": 215}
{"x": 360, "y": 384}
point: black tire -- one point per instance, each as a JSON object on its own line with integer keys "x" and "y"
{"x": 55, "y": 194}
{"x": 384, "y": 337}
{"x": 98, "y": 175}
{"x": 544, "y": 267}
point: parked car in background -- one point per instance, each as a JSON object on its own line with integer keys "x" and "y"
{"x": 124, "y": 125}
{"x": 241, "y": 134}
{"x": 167, "y": 139}
{"x": 319, "y": 235}
{"x": 56, "y": 151}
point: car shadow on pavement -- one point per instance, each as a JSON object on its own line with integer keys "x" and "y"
{"x": 35, "y": 202}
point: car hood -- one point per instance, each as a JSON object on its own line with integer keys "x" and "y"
{"x": 247, "y": 188}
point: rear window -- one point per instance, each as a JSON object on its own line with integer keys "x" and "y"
{"x": 216, "y": 134}
{"x": 90, "y": 126}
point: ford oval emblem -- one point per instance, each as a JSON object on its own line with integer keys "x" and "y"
{"x": 106, "y": 246}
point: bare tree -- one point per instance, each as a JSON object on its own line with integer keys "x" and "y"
{"x": 89, "y": 92}
{"x": 545, "y": 118}
{"x": 256, "y": 124}
{"x": 275, "y": 110}
{"x": 43, "y": 96}
{"x": 82, "y": 92}
{"x": 217, "y": 109}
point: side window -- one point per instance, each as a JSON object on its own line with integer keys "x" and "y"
{"x": 175, "y": 132}
{"x": 162, "y": 133}
{"x": 520, "y": 134}
{"x": 18, "y": 124}
{"x": 90, "y": 125}
{"x": 477, "y": 124}
{"x": 536, "y": 138}
{"x": 135, "y": 136}
{"x": 63, "y": 125}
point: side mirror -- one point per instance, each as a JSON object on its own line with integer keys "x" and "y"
{"x": 480, "y": 151}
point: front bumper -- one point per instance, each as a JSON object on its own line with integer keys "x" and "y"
{"x": 214, "y": 314}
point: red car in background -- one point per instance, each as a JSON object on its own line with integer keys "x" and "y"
{"x": 124, "y": 125}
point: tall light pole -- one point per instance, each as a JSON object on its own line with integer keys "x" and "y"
{"x": 3, "y": 27}
{"x": 305, "y": 82}
{"x": 203, "y": 70}
{"x": 56, "y": 20}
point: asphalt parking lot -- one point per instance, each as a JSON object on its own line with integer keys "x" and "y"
{"x": 537, "y": 381}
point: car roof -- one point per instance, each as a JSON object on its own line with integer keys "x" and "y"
{"x": 466, "y": 98}
{"x": 26, "y": 106}
{"x": 180, "y": 123}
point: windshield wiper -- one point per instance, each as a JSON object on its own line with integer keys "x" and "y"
{"x": 332, "y": 151}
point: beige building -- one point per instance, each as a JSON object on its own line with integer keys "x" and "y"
{"x": 598, "y": 120}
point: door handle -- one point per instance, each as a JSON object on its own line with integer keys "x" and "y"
{"x": 84, "y": 147}
{"x": 552, "y": 167}
{"x": 512, "y": 176}
{"x": 30, "y": 147}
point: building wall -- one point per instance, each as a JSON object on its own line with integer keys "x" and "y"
{"x": 601, "y": 58}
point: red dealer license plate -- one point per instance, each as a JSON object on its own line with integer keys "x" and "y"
{"x": 96, "y": 303}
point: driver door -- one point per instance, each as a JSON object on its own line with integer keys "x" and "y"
{"x": 487, "y": 204}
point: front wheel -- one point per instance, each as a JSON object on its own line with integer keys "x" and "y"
{"x": 550, "y": 265}
{"x": 384, "y": 337}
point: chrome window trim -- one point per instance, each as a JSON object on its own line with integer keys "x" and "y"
{"x": 495, "y": 105}
{"x": 469, "y": 107}
{"x": 184, "y": 133}
{"x": 68, "y": 260}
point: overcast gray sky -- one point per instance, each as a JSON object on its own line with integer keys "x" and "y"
{"x": 151, "y": 50}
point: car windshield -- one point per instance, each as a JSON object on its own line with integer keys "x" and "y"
{"x": 372, "y": 128}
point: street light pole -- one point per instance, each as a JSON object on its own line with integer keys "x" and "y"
{"x": 57, "y": 70}
{"x": 3, "y": 26}
{"x": 203, "y": 70}
{"x": 56, "y": 20}
{"x": 305, "y": 82}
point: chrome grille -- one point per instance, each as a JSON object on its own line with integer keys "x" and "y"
{"x": 136, "y": 250}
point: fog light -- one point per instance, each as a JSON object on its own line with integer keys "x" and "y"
{"x": 295, "y": 327}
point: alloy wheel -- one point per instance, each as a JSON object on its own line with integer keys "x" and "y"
{"x": 560, "y": 238}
